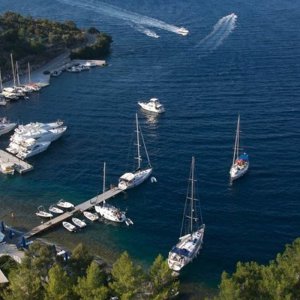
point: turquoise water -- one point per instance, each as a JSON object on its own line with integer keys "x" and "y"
{"x": 249, "y": 65}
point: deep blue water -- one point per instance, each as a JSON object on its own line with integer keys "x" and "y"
{"x": 204, "y": 80}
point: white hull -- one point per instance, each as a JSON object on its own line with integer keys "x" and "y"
{"x": 150, "y": 108}
{"x": 92, "y": 217}
{"x": 5, "y": 128}
{"x": 79, "y": 223}
{"x": 64, "y": 204}
{"x": 236, "y": 172}
{"x": 186, "y": 249}
{"x": 55, "y": 210}
{"x": 110, "y": 213}
{"x": 36, "y": 149}
{"x": 69, "y": 226}
{"x": 139, "y": 177}
{"x": 44, "y": 214}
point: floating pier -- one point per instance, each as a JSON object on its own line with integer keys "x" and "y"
{"x": 79, "y": 208}
{"x": 21, "y": 166}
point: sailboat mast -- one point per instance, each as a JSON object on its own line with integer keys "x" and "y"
{"x": 192, "y": 192}
{"x": 1, "y": 86}
{"x": 29, "y": 75}
{"x": 13, "y": 69}
{"x": 236, "y": 143}
{"x": 17, "y": 73}
{"x": 138, "y": 142}
{"x": 104, "y": 170}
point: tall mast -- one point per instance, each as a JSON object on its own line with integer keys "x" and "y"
{"x": 17, "y": 73}
{"x": 104, "y": 170}
{"x": 1, "y": 86}
{"x": 29, "y": 75}
{"x": 192, "y": 192}
{"x": 138, "y": 142}
{"x": 13, "y": 69}
{"x": 237, "y": 141}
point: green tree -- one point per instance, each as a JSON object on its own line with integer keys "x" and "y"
{"x": 92, "y": 286}
{"x": 128, "y": 279}
{"x": 163, "y": 285}
{"x": 59, "y": 285}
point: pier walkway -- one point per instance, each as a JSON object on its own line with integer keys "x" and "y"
{"x": 78, "y": 209}
{"x": 21, "y": 166}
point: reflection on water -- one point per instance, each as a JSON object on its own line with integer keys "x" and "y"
{"x": 151, "y": 119}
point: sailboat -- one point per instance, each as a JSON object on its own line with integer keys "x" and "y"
{"x": 240, "y": 162}
{"x": 132, "y": 179}
{"x": 192, "y": 231}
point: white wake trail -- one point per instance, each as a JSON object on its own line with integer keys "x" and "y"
{"x": 222, "y": 29}
{"x": 116, "y": 12}
{"x": 146, "y": 31}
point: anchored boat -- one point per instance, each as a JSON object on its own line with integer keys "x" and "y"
{"x": 153, "y": 106}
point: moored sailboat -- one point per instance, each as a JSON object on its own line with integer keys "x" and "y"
{"x": 192, "y": 229}
{"x": 240, "y": 162}
{"x": 132, "y": 179}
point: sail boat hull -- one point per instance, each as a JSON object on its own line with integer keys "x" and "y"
{"x": 236, "y": 171}
{"x": 131, "y": 180}
{"x": 186, "y": 249}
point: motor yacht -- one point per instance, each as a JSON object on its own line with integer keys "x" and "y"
{"x": 153, "y": 106}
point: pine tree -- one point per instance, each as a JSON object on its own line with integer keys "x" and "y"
{"x": 128, "y": 279}
{"x": 59, "y": 285}
{"x": 92, "y": 286}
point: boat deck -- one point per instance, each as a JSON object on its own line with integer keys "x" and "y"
{"x": 79, "y": 208}
{"x": 21, "y": 166}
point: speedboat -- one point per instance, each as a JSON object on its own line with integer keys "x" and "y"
{"x": 78, "y": 222}
{"x": 6, "y": 126}
{"x": 183, "y": 31}
{"x": 35, "y": 149}
{"x": 43, "y": 213}
{"x": 92, "y": 217}
{"x": 152, "y": 106}
{"x": 55, "y": 210}
{"x": 70, "y": 227}
{"x": 64, "y": 204}
{"x": 112, "y": 213}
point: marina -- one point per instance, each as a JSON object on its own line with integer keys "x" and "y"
{"x": 20, "y": 165}
{"x": 80, "y": 208}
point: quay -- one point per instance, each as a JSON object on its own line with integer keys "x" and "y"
{"x": 20, "y": 165}
{"x": 78, "y": 209}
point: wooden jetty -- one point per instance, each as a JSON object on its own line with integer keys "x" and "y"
{"x": 79, "y": 208}
{"x": 21, "y": 166}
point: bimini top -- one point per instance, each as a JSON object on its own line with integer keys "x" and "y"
{"x": 153, "y": 99}
{"x": 179, "y": 251}
{"x": 127, "y": 176}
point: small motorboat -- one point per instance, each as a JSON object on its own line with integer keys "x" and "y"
{"x": 183, "y": 31}
{"x": 55, "y": 210}
{"x": 43, "y": 213}
{"x": 153, "y": 106}
{"x": 90, "y": 216}
{"x": 6, "y": 126}
{"x": 64, "y": 204}
{"x": 78, "y": 222}
{"x": 70, "y": 227}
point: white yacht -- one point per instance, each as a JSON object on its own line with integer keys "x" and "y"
{"x": 92, "y": 217}
{"x": 41, "y": 212}
{"x": 38, "y": 125}
{"x": 70, "y": 227}
{"x": 153, "y": 106}
{"x": 6, "y": 126}
{"x": 132, "y": 179}
{"x": 35, "y": 149}
{"x": 78, "y": 222}
{"x": 183, "y": 31}
{"x": 240, "y": 162}
{"x": 112, "y": 213}
{"x": 192, "y": 230}
{"x": 64, "y": 204}
{"x": 15, "y": 147}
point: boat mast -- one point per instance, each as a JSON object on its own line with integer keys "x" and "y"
{"x": 237, "y": 141}
{"x": 13, "y": 69}
{"x": 138, "y": 142}
{"x": 192, "y": 192}
{"x": 104, "y": 170}
{"x": 29, "y": 75}
{"x": 1, "y": 86}
{"x": 17, "y": 73}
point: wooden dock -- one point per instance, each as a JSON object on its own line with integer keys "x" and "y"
{"x": 79, "y": 208}
{"x": 21, "y": 166}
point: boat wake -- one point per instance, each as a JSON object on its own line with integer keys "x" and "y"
{"x": 146, "y": 31}
{"x": 123, "y": 14}
{"x": 222, "y": 29}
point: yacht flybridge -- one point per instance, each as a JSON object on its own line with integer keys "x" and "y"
{"x": 132, "y": 179}
{"x": 153, "y": 106}
{"x": 192, "y": 229}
